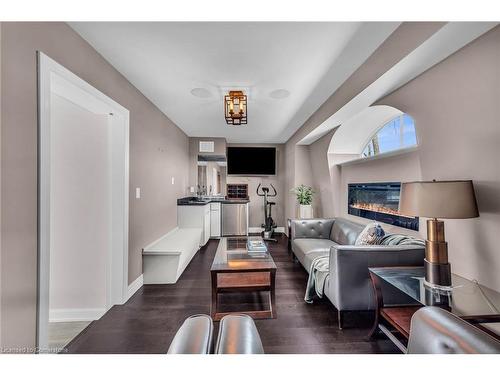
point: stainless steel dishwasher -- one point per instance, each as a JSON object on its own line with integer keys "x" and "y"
{"x": 235, "y": 219}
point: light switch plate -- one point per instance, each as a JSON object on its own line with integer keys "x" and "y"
{"x": 173, "y": 180}
{"x": 138, "y": 193}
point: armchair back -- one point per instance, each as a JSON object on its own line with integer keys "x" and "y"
{"x": 436, "y": 331}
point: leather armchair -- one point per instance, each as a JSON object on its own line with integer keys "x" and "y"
{"x": 437, "y": 331}
{"x": 194, "y": 336}
{"x": 237, "y": 335}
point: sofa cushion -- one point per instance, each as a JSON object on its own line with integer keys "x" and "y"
{"x": 345, "y": 232}
{"x": 303, "y": 246}
{"x": 312, "y": 228}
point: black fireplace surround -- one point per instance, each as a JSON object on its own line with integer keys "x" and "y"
{"x": 379, "y": 201}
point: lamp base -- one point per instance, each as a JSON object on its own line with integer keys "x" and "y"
{"x": 437, "y": 273}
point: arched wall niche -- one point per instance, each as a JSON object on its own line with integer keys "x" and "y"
{"x": 352, "y": 136}
{"x": 346, "y": 165}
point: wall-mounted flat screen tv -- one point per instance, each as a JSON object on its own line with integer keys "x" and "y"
{"x": 251, "y": 161}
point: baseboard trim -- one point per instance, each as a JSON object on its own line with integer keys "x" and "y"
{"x": 75, "y": 315}
{"x": 260, "y": 229}
{"x": 135, "y": 286}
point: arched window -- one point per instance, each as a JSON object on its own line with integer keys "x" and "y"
{"x": 399, "y": 133}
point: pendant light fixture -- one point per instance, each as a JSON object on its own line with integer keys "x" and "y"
{"x": 235, "y": 108}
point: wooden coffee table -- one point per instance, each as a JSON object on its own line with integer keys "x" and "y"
{"x": 234, "y": 269}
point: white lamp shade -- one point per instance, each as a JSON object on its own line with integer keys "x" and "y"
{"x": 439, "y": 199}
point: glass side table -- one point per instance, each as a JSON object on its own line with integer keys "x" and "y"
{"x": 466, "y": 299}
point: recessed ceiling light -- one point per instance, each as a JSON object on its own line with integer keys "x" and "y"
{"x": 200, "y": 92}
{"x": 279, "y": 94}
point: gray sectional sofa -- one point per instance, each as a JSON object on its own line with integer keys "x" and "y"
{"x": 348, "y": 284}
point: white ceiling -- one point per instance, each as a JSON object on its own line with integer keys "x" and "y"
{"x": 166, "y": 60}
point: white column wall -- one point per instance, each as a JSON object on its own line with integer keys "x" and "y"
{"x": 80, "y": 208}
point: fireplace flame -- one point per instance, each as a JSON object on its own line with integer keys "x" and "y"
{"x": 376, "y": 207}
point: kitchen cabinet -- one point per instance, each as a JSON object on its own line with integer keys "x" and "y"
{"x": 215, "y": 219}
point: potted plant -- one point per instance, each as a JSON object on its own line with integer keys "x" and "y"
{"x": 304, "y": 197}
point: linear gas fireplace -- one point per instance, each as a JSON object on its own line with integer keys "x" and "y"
{"x": 379, "y": 201}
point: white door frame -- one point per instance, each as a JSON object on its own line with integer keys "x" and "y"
{"x": 54, "y": 78}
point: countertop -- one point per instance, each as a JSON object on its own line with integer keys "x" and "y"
{"x": 193, "y": 201}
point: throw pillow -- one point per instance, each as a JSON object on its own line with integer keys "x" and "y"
{"x": 371, "y": 235}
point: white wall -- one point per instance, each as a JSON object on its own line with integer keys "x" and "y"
{"x": 323, "y": 202}
{"x": 80, "y": 207}
{"x": 299, "y": 171}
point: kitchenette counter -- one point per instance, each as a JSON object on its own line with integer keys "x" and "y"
{"x": 220, "y": 216}
{"x": 195, "y": 201}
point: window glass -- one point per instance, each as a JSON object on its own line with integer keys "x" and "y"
{"x": 399, "y": 133}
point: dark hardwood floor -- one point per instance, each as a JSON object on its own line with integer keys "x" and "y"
{"x": 148, "y": 321}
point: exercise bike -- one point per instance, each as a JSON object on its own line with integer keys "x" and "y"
{"x": 269, "y": 224}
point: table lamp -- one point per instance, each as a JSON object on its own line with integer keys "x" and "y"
{"x": 438, "y": 199}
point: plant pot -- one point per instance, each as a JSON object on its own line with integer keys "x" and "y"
{"x": 305, "y": 211}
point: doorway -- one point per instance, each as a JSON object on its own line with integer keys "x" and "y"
{"x": 83, "y": 204}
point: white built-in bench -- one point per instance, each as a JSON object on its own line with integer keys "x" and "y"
{"x": 165, "y": 259}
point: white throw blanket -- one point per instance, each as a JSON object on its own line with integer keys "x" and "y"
{"x": 317, "y": 276}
